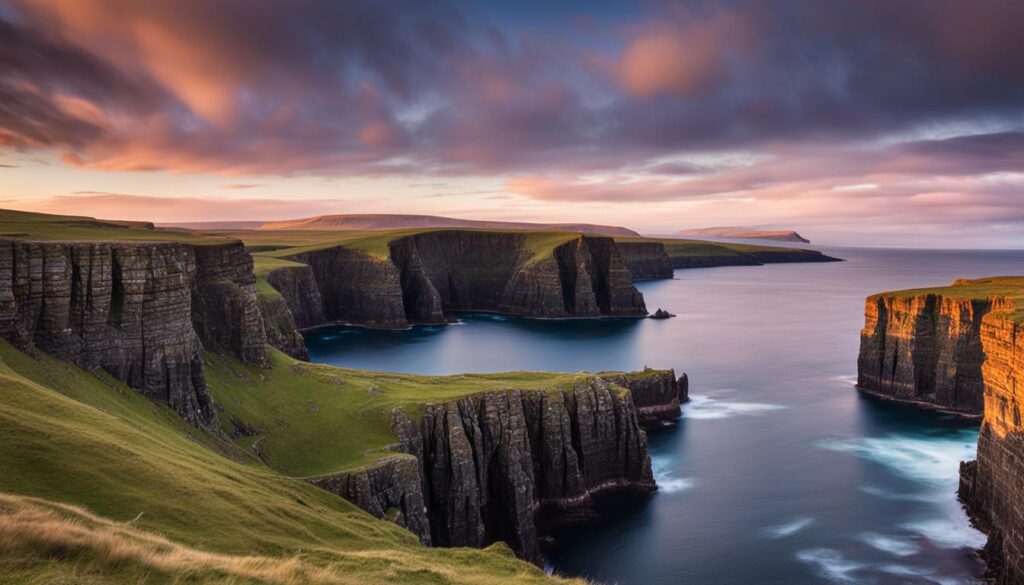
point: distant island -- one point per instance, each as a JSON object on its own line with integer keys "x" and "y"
{"x": 742, "y": 233}
{"x": 386, "y": 221}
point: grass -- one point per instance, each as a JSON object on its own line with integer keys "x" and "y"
{"x": 680, "y": 247}
{"x": 1010, "y": 288}
{"x": 100, "y": 485}
{"x": 345, "y": 413}
{"x": 41, "y": 226}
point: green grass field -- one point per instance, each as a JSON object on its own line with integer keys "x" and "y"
{"x": 41, "y": 226}
{"x": 1010, "y": 288}
{"x": 101, "y": 485}
{"x": 345, "y": 413}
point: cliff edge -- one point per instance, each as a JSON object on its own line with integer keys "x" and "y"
{"x": 961, "y": 348}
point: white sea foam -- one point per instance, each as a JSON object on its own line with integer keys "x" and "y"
{"x": 952, "y": 531}
{"x": 901, "y": 547}
{"x": 664, "y": 476}
{"x": 707, "y": 408}
{"x": 923, "y": 459}
{"x": 888, "y": 495}
{"x": 789, "y": 528}
{"x": 832, "y": 565}
{"x": 931, "y": 462}
{"x": 850, "y": 379}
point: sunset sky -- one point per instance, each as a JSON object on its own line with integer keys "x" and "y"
{"x": 860, "y": 122}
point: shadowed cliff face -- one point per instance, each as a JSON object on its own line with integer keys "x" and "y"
{"x": 965, "y": 355}
{"x": 925, "y": 349}
{"x": 135, "y": 309}
{"x": 494, "y": 466}
{"x": 490, "y": 463}
{"x": 430, "y": 275}
{"x": 646, "y": 260}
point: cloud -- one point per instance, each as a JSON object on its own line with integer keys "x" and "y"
{"x": 237, "y": 186}
{"x": 370, "y": 88}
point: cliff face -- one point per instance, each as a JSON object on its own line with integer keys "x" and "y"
{"x": 298, "y": 287}
{"x": 962, "y": 352}
{"x": 991, "y": 487}
{"x": 491, "y": 465}
{"x": 428, "y": 276}
{"x": 135, "y": 309}
{"x": 924, "y": 348}
{"x": 657, "y": 394}
{"x": 646, "y": 260}
{"x": 388, "y": 489}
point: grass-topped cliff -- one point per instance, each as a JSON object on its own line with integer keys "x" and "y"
{"x": 23, "y": 225}
{"x": 692, "y": 253}
{"x": 346, "y": 413}
{"x": 1005, "y": 291}
{"x": 101, "y": 485}
{"x": 961, "y": 348}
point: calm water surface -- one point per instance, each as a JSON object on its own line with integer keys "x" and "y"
{"x": 780, "y": 472}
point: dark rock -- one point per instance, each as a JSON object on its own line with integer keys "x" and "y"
{"x": 657, "y": 394}
{"x": 298, "y": 287}
{"x": 492, "y": 462}
{"x": 646, "y": 260}
{"x": 662, "y": 314}
{"x": 132, "y": 308}
{"x": 428, "y": 276}
{"x": 388, "y": 489}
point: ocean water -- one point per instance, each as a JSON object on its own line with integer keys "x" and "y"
{"x": 779, "y": 472}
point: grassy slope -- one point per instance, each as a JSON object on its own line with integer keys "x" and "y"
{"x": 39, "y": 226}
{"x": 1007, "y": 287}
{"x": 345, "y": 413}
{"x": 76, "y": 438}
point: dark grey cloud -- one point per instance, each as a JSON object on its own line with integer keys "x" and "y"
{"x": 366, "y": 88}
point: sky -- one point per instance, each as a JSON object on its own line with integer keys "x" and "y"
{"x": 866, "y": 122}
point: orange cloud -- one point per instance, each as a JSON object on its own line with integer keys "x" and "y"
{"x": 668, "y": 59}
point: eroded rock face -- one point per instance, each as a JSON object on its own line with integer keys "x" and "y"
{"x": 657, "y": 394}
{"x": 924, "y": 349}
{"x": 428, "y": 276}
{"x": 298, "y": 287}
{"x": 389, "y": 489}
{"x": 646, "y": 260}
{"x": 130, "y": 308}
{"x": 991, "y": 487}
{"x": 965, "y": 355}
{"x": 490, "y": 463}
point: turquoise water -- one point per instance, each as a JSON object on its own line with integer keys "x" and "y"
{"x": 780, "y": 472}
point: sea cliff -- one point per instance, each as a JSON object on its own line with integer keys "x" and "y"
{"x": 425, "y": 277}
{"x": 491, "y": 465}
{"x": 140, "y": 310}
{"x": 961, "y": 348}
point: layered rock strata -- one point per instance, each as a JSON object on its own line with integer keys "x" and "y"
{"x": 992, "y": 487}
{"x": 657, "y": 394}
{"x": 925, "y": 349}
{"x": 428, "y": 276}
{"x": 490, "y": 464}
{"x": 964, "y": 352}
{"x": 135, "y": 309}
{"x": 646, "y": 260}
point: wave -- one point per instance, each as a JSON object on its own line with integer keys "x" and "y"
{"x": 900, "y": 547}
{"x": 932, "y": 463}
{"x": 789, "y": 528}
{"x": 703, "y": 407}
{"x": 832, "y": 565}
{"x": 668, "y": 483}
